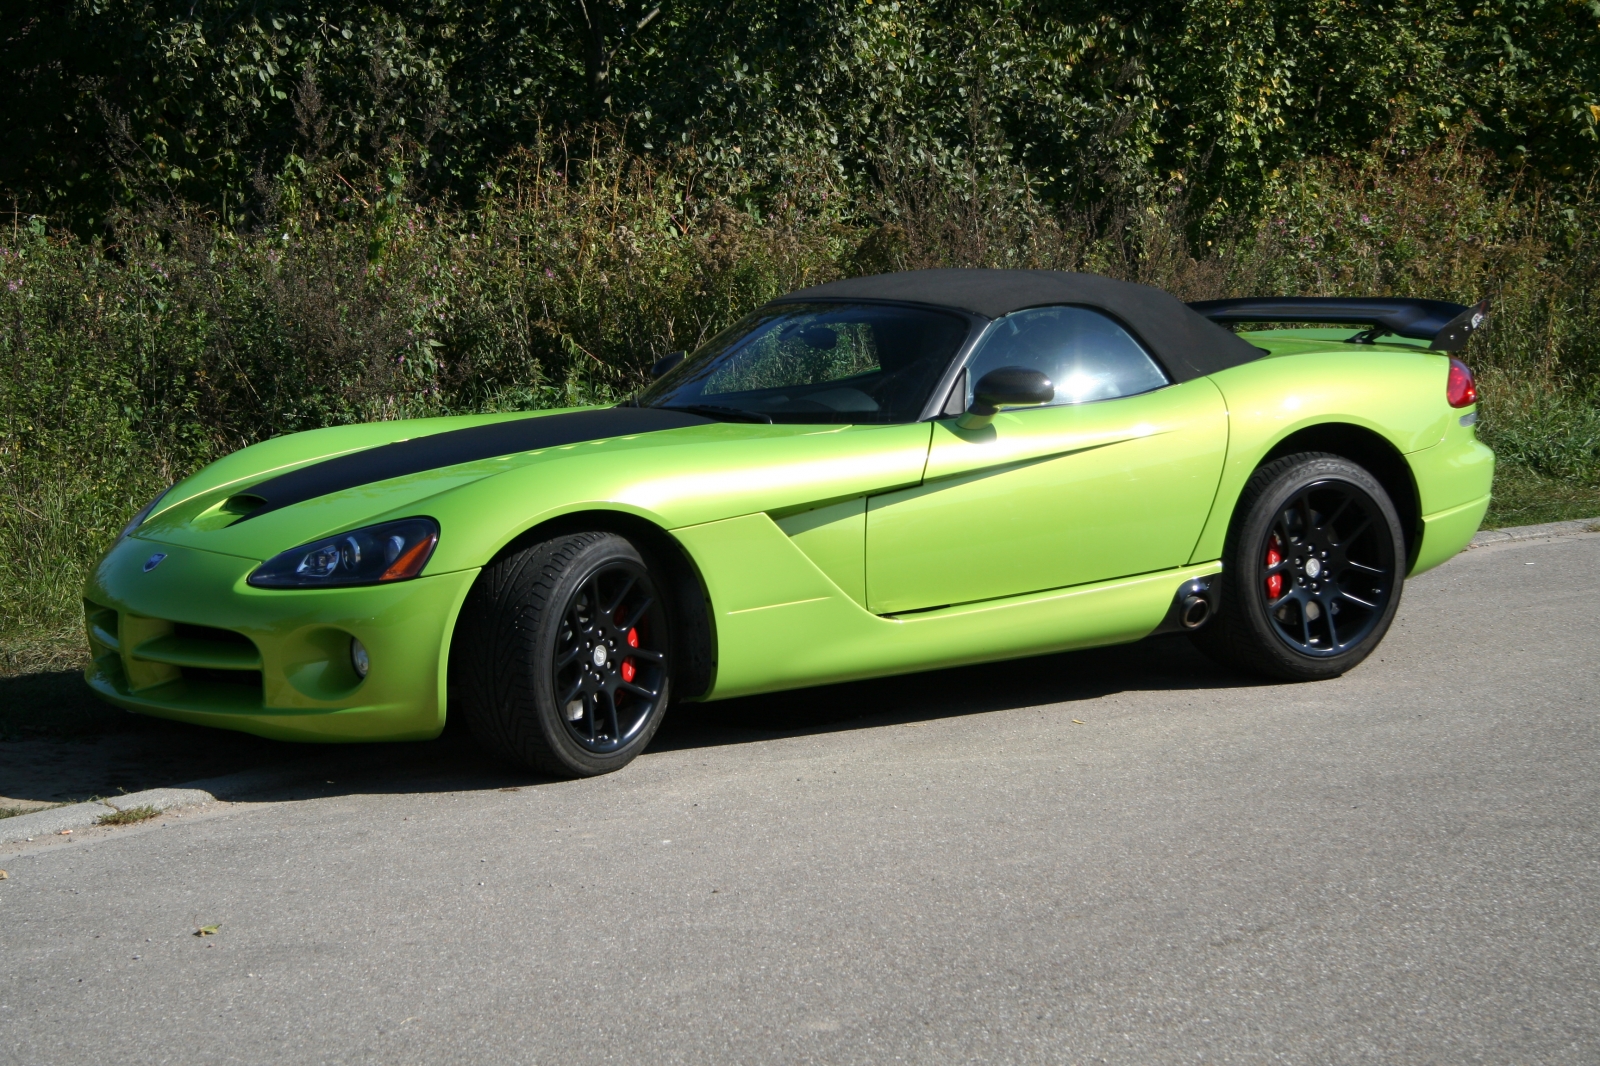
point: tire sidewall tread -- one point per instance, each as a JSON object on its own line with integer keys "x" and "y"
{"x": 506, "y": 646}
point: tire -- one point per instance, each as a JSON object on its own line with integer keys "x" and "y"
{"x": 1328, "y": 532}
{"x": 563, "y": 656}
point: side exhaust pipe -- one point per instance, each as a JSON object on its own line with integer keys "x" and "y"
{"x": 1192, "y": 606}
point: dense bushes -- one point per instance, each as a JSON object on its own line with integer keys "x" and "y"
{"x": 109, "y": 101}
{"x": 128, "y": 363}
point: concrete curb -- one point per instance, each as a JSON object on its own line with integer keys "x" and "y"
{"x": 245, "y": 784}
{"x": 1511, "y": 534}
{"x": 53, "y": 821}
{"x": 160, "y": 798}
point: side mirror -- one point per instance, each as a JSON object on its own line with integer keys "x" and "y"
{"x": 664, "y": 364}
{"x": 1014, "y": 386}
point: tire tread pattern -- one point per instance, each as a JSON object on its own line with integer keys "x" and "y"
{"x": 501, "y": 625}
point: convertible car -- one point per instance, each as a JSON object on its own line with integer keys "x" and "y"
{"x": 863, "y": 478}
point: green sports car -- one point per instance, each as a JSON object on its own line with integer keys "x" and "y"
{"x": 867, "y": 477}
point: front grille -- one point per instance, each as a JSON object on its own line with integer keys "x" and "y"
{"x": 174, "y": 663}
{"x": 250, "y": 679}
{"x": 211, "y": 633}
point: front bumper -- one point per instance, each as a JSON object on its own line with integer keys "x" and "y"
{"x": 190, "y": 640}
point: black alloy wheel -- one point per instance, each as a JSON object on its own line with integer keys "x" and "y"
{"x": 610, "y": 663}
{"x": 1312, "y": 571}
{"x": 1327, "y": 568}
{"x": 562, "y": 660}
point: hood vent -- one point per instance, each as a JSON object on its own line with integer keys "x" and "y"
{"x": 242, "y": 504}
{"x": 229, "y": 511}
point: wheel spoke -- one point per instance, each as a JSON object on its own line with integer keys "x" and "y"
{"x": 1333, "y": 632}
{"x": 647, "y": 654}
{"x": 611, "y": 711}
{"x": 1333, "y": 520}
{"x": 1358, "y": 600}
{"x": 638, "y": 690}
{"x": 1362, "y": 528}
{"x": 1286, "y": 523}
{"x": 567, "y": 658}
{"x": 1363, "y": 566}
{"x": 591, "y": 711}
{"x": 571, "y": 693}
{"x": 638, "y": 613}
{"x": 611, "y": 609}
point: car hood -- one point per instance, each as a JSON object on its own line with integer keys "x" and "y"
{"x": 476, "y": 474}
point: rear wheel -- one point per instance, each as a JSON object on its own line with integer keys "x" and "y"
{"x": 563, "y": 655}
{"x": 1312, "y": 571}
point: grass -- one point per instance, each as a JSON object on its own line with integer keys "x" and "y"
{"x": 1524, "y": 497}
{"x": 12, "y": 812}
{"x": 130, "y": 816}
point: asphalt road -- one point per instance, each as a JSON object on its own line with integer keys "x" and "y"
{"x": 1398, "y": 866}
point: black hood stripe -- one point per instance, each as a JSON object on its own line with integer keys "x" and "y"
{"x": 439, "y": 450}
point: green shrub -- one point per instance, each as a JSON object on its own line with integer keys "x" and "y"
{"x": 127, "y": 364}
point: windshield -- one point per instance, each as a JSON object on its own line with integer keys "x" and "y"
{"x": 817, "y": 363}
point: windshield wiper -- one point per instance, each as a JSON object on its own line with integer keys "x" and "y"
{"x": 718, "y": 411}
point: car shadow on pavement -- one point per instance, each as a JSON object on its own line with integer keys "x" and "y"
{"x": 1154, "y": 664}
{"x": 58, "y": 743}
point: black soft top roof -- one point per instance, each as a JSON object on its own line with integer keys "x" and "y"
{"x": 1187, "y": 344}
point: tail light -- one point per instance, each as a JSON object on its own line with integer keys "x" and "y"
{"x": 1460, "y": 390}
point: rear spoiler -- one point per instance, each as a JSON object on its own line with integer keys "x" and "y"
{"x": 1445, "y": 324}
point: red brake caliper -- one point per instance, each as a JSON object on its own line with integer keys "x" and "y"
{"x": 629, "y": 671}
{"x": 1274, "y": 557}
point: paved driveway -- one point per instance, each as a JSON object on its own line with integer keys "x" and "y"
{"x": 1398, "y": 866}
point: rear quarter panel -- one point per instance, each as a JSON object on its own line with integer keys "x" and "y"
{"x": 1396, "y": 392}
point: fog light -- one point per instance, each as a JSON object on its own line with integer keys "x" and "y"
{"x": 358, "y": 657}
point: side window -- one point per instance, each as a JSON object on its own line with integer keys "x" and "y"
{"x": 1085, "y": 354}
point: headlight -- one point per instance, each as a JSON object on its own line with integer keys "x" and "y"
{"x": 393, "y": 551}
{"x": 138, "y": 519}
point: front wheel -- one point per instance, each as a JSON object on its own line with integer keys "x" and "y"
{"x": 1312, "y": 571}
{"x": 563, "y": 655}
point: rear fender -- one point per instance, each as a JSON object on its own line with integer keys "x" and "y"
{"x": 1375, "y": 408}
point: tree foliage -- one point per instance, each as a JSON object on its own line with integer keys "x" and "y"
{"x": 209, "y": 101}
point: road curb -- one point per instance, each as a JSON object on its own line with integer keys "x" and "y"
{"x": 57, "y": 820}
{"x": 1511, "y": 534}
{"x": 160, "y": 798}
{"x": 245, "y": 784}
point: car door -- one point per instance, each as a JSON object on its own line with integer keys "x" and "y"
{"x": 1115, "y": 476}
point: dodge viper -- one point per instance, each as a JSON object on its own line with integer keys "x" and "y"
{"x": 862, "y": 478}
